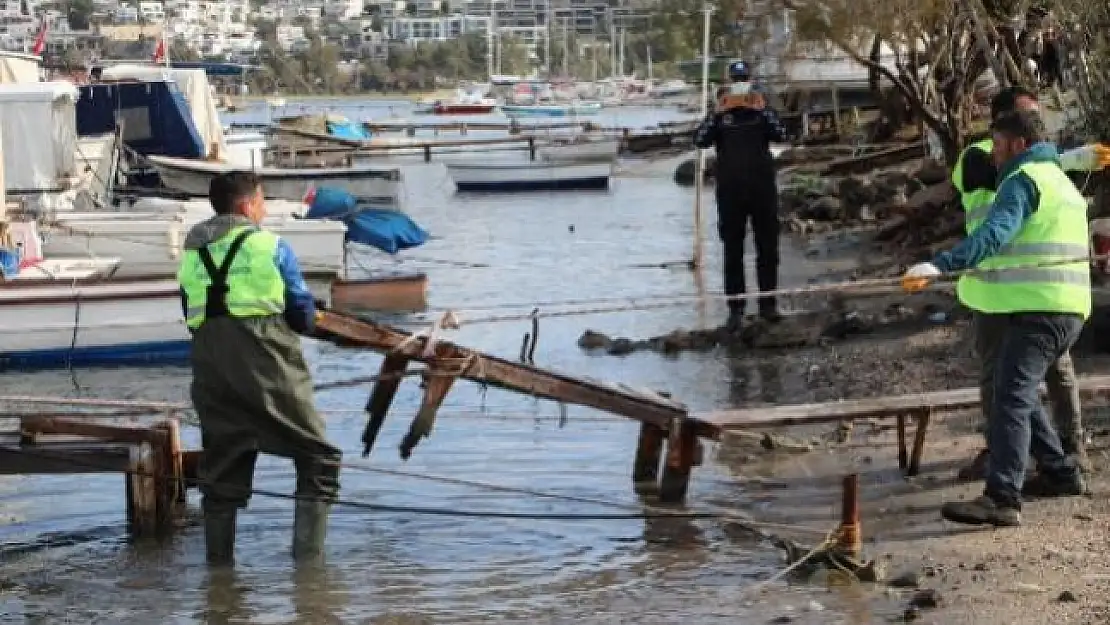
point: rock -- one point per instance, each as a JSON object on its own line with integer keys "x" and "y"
{"x": 931, "y": 172}
{"x": 910, "y": 614}
{"x": 621, "y": 347}
{"x": 932, "y": 196}
{"x": 855, "y": 193}
{"x": 684, "y": 173}
{"x": 785, "y": 618}
{"x": 925, "y": 599}
{"x": 813, "y": 606}
{"x": 825, "y": 208}
{"x": 982, "y": 566}
{"x": 594, "y": 340}
{"x": 1067, "y": 597}
{"x": 909, "y": 579}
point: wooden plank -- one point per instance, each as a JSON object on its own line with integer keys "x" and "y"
{"x": 109, "y": 433}
{"x": 878, "y": 407}
{"x": 502, "y": 373}
{"x": 65, "y": 458}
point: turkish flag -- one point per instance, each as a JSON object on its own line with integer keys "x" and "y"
{"x": 40, "y": 41}
{"x": 160, "y": 51}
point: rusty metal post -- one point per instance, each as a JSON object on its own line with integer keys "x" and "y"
{"x": 849, "y": 540}
{"x": 682, "y": 452}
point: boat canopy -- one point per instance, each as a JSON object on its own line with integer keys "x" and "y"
{"x": 194, "y": 85}
{"x": 39, "y": 135}
{"x": 16, "y": 67}
{"x": 153, "y": 116}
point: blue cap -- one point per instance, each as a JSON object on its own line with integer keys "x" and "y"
{"x": 739, "y": 71}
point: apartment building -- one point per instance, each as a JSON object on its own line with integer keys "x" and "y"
{"x": 416, "y": 30}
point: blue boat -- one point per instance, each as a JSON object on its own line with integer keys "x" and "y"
{"x": 552, "y": 110}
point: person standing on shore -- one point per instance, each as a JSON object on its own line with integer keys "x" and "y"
{"x": 976, "y": 179}
{"x": 742, "y": 128}
{"x": 245, "y": 301}
{"x": 1033, "y": 278}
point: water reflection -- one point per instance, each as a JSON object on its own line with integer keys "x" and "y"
{"x": 225, "y": 598}
{"x": 318, "y": 595}
{"x": 754, "y": 379}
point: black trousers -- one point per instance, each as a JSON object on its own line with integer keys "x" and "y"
{"x": 736, "y": 206}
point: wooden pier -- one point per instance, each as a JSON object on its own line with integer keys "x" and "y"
{"x": 669, "y": 445}
{"x": 149, "y": 458}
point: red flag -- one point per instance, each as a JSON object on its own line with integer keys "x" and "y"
{"x": 160, "y": 51}
{"x": 40, "y": 41}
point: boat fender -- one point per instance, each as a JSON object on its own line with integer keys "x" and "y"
{"x": 173, "y": 239}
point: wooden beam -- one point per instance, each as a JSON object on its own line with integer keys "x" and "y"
{"x": 649, "y": 452}
{"x": 382, "y": 397}
{"x": 66, "y": 458}
{"x": 31, "y": 427}
{"x": 875, "y": 407}
{"x": 522, "y": 378}
{"x": 436, "y": 387}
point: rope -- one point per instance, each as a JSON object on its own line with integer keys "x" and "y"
{"x": 877, "y": 285}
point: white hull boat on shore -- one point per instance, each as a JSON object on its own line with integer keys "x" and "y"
{"x": 150, "y": 243}
{"x": 580, "y": 151}
{"x": 376, "y": 184}
{"x": 72, "y": 312}
{"x": 529, "y": 176}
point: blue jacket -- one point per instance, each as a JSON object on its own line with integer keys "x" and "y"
{"x": 1014, "y": 203}
{"x": 300, "y": 306}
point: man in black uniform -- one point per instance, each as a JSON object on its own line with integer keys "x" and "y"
{"x": 742, "y": 128}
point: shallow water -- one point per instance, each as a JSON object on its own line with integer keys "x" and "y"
{"x": 404, "y": 568}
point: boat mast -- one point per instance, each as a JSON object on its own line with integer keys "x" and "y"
{"x": 489, "y": 42}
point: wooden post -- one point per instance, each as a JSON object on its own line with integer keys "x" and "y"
{"x": 437, "y": 383}
{"x": 850, "y": 541}
{"x": 649, "y": 451}
{"x": 142, "y": 497}
{"x": 377, "y": 406}
{"x": 681, "y": 457}
{"x": 427, "y": 152}
{"x": 903, "y": 460}
{"x": 836, "y": 109}
{"x": 919, "y": 442}
{"x": 532, "y": 148}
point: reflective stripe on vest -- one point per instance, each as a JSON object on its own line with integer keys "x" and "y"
{"x": 1036, "y": 272}
{"x": 255, "y": 285}
{"x": 976, "y": 204}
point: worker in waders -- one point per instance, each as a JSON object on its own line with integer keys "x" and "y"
{"x": 245, "y": 303}
{"x": 742, "y": 128}
{"x": 976, "y": 179}
{"x": 1033, "y": 279}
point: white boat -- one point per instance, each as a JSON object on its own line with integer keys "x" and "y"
{"x": 529, "y": 176}
{"x": 551, "y": 110}
{"x": 246, "y": 149}
{"x": 61, "y": 316}
{"x": 580, "y": 150}
{"x": 149, "y": 243}
{"x": 375, "y": 184}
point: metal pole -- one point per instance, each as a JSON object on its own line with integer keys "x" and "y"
{"x": 699, "y": 157}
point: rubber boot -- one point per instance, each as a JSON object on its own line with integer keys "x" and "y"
{"x": 219, "y": 537}
{"x": 310, "y": 527}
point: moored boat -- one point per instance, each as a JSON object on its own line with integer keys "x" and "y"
{"x": 552, "y": 110}
{"x": 580, "y": 150}
{"x": 376, "y": 184}
{"x": 529, "y": 176}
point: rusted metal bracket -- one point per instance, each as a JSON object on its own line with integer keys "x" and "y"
{"x": 437, "y": 383}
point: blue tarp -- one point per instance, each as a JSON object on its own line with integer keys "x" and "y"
{"x": 154, "y": 116}
{"x": 348, "y": 130}
{"x": 386, "y": 229}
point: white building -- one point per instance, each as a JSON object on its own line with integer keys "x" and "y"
{"x": 416, "y": 30}
{"x": 152, "y": 12}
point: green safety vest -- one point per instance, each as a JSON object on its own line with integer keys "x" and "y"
{"x": 1056, "y": 231}
{"x": 255, "y": 287}
{"x": 976, "y": 203}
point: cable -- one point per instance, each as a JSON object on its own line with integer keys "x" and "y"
{"x": 363, "y": 505}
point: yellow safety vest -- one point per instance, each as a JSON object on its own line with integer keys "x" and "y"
{"x": 976, "y": 203}
{"x": 1056, "y": 231}
{"x": 253, "y": 286}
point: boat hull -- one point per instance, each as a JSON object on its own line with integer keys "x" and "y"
{"x": 551, "y": 111}
{"x": 601, "y": 151}
{"x": 463, "y": 109}
{"x": 45, "y": 324}
{"x": 375, "y": 184}
{"x": 149, "y": 246}
{"x": 389, "y": 293}
{"x": 530, "y": 176}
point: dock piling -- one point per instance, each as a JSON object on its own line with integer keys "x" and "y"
{"x": 649, "y": 455}
{"x": 850, "y": 540}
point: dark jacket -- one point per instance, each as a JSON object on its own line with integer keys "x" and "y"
{"x": 743, "y": 138}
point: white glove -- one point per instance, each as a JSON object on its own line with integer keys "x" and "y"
{"x": 1090, "y": 157}
{"x": 917, "y": 277}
